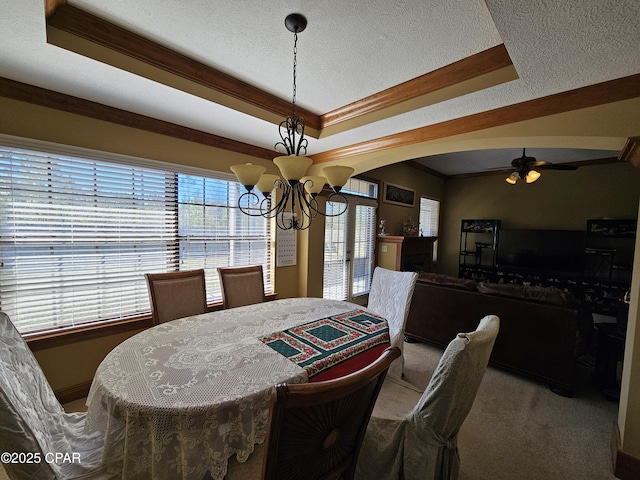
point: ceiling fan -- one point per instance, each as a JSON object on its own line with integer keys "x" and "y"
{"x": 527, "y": 168}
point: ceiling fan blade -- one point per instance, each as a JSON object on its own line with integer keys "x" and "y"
{"x": 536, "y": 164}
{"x": 556, "y": 166}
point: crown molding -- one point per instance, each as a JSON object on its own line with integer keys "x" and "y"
{"x": 478, "y": 65}
{"x": 593, "y": 95}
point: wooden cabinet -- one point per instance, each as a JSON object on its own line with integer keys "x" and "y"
{"x": 410, "y": 254}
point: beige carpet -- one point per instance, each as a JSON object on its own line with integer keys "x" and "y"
{"x": 519, "y": 430}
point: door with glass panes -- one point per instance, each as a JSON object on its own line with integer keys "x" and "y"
{"x": 349, "y": 250}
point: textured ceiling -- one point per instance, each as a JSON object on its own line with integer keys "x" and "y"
{"x": 349, "y": 50}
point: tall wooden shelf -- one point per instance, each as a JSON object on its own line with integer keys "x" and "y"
{"x": 478, "y": 248}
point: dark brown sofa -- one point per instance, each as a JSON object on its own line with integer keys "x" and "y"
{"x": 542, "y": 330}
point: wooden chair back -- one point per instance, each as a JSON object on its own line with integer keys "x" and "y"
{"x": 241, "y": 285}
{"x": 176, "y": 294}
{"x": 317, "y": 428}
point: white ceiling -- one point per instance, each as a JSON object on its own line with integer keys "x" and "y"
{"x": 349, "y": 50}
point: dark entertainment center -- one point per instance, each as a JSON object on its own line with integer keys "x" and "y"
{"x": 594, "y": 264}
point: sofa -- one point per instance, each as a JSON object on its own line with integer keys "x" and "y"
{"x": 542, "y": 329}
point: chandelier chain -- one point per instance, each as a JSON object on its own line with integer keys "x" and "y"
{"x": 295, "y": 64}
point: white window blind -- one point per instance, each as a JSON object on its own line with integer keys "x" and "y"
{"x": 213, "y": 232}
{"x": 361, "y": 188}
{"x": 335, "y": 253}
{"x": 364, "y": 245}
{"x": 429, "y": 219}
{"x": 77, "y": 235}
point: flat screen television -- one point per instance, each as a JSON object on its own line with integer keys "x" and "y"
{"x": 560, "y": 251}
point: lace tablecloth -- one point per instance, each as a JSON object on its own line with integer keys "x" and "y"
{"x": 195, "y": 391}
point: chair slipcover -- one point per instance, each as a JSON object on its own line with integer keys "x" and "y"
{"x": 422, "y": 444}
{"x": 390, "y": 297}
{"x": 32, "y": 421}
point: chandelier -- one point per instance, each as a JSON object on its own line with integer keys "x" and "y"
{"x": 295, "y": 204}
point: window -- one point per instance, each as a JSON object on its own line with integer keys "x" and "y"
{"x": 78, "y": 234}
{"x": 429, "y": 219}
{"x": 361, "y": 188}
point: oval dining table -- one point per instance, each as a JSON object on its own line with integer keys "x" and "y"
{"x": 180, "y": 399}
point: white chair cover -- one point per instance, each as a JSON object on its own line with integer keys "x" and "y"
{"x": 33, "y": 422}
{"x": 422, "y": 444}
{"x": 390, "y": 297}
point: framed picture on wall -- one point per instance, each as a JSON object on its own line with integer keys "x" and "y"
{"x": 398, "y": 195}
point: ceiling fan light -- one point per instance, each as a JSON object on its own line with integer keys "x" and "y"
{"x": 513, "y": 178}
{"x": 532, "y": 176}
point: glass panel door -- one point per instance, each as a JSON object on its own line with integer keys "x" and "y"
{"x": 336, "y": 262}
{"x": 349, "y": 250}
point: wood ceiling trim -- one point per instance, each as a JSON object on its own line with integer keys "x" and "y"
{"x": 593, "y": 95}
{"x": 468, "y": 68}
{"x": 90, "y": 28}
{"x": 50, "y": 6}
{"x": 631, "y": 152}
{"x": 60, "y": 101}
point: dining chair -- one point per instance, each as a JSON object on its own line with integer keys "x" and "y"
{"x": 413, "y": 435}
{"x": 47, "y": 443}
{"x": 176, "y": 294}
{"x": 390, "y": 297}
{"x": 316, "y": 429}
{"x": 241, "y": 285}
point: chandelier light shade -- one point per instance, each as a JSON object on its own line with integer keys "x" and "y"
{"x": 296, "y": 205}
{"x": 248, "y": 174}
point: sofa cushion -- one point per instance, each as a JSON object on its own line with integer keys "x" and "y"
{"x": 445, "y": 280}
{"x": 549, "y": 295}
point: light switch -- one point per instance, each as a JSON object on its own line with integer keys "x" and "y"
{"x": 383, "y": 248}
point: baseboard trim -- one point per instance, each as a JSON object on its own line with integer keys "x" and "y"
{"x": 74, "y": 392}
{"x": 625, "y": 466}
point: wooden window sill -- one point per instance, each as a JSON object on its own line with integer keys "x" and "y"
{"x": 66, "y": 336}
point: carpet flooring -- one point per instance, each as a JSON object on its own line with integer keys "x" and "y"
{"x": 519, "y": 430}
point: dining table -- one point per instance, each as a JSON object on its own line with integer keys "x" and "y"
{"x": 178, "y": 400}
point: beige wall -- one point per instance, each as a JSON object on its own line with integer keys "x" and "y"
{"x": 561, "y": 200}
{"x": 72, "y": 365}
{"x": 423, "y": 183}
{"x": 629, "y": 413}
